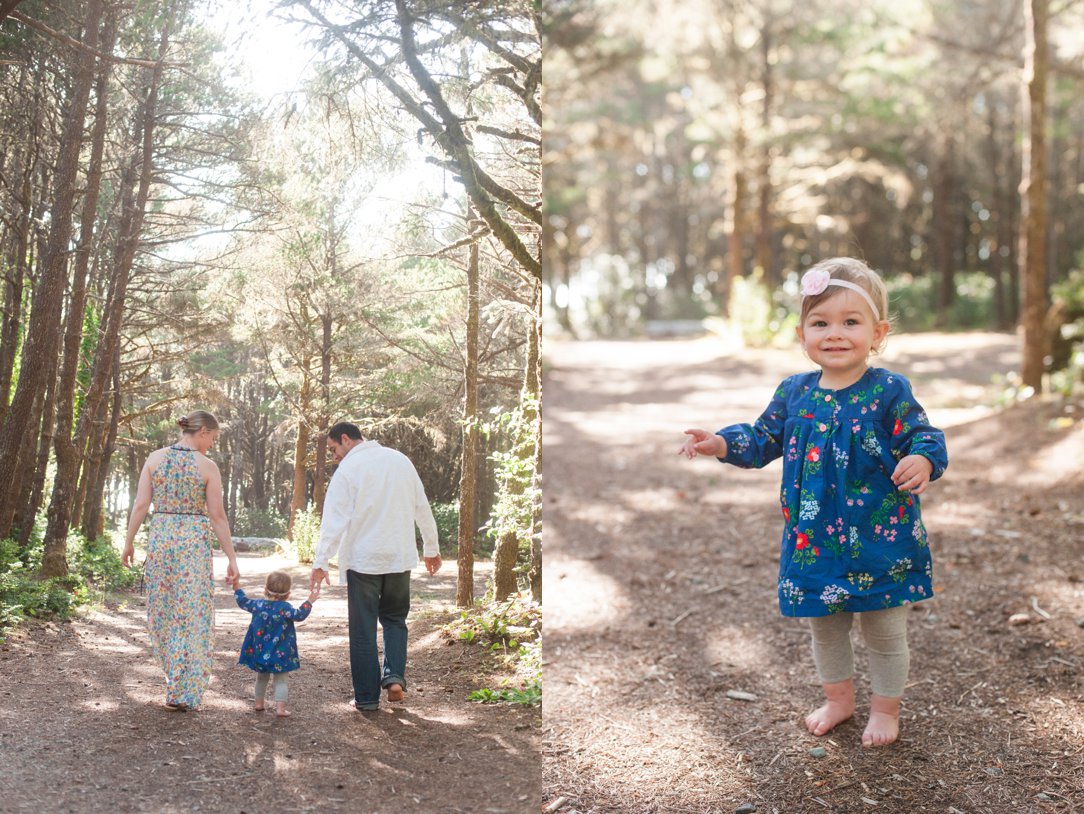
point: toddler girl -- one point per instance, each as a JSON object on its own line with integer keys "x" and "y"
{"x": 270, "y": 646}
{"x": 857, "y": 451}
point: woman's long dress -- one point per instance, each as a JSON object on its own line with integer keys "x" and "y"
{"x": 180, "y": 582}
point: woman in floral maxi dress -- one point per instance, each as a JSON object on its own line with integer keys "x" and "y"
{"x": 186, "y": 489}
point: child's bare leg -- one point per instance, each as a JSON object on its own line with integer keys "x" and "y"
{"x": 282, "y": 692}
{"x": 837, "y": 708}
{"x": 884, "y": 721}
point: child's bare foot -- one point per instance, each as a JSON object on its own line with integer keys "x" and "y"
{"x": 259, "y": 707}
{"x": 884, "y": 721}
{"x": 280, "y": 709}
{"x": 838, "y": 707}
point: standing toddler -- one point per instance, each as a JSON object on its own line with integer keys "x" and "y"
{"x": 857, "y": 451}
{"x": 270, "y": 646}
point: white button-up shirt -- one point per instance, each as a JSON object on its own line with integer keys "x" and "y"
{"x": 373, "y": 501}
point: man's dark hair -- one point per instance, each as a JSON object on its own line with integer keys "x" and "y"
{"x": 344, "y": 428}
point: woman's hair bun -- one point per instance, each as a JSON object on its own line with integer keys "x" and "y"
{"x": 183, "y": 422}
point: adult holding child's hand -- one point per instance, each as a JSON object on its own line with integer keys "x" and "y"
{"x": 186, "y": 489}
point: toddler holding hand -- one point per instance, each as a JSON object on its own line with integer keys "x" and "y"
{"x": 857, "y": 451}
{"x": 270, "y": 646}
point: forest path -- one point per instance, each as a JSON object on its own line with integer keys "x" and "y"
{"x": 82, "y": 728}
{"x": 660, "y": 597}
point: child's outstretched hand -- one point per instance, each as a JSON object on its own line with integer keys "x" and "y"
{"x": 701, "y": 442}
{"x": 314, "y": 594}
{"x": 912, "y": 474}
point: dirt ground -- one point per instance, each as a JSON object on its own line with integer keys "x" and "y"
{"x": 82, "y": 728}
{"x": 660, "y": 598}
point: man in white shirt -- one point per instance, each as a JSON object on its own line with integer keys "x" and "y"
{"x": 373, "y": 501}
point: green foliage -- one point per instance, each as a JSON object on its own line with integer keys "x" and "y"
{"x": 95, "y": 568}
{"x": 511, "y": 635}
{"x": 913, "y": 301}
{"x": 447, "y": 517}
{"x": 1067, "y": 347}
{"x": 255, "y": 522}
{"x": 513, "y": 511}
{"x": 306, "y": 534}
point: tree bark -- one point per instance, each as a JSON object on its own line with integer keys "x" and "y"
{"x": 534, "y": 378}
{"x": 42, "y": 338}
{"x": 301, "y": 448}
{"x": 736, "y": 237}
{"x": 468, "y": 473}
{"x": 1033, "y": 194}
{"x": 100, "y": 454}
{"x": 136, "y": 193}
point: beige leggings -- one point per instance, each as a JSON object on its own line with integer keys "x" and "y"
{"x": 885, "y": 633}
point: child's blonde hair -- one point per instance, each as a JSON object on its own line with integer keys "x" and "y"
{"x": 278, "y": 586}
{"x": 853, "y": 271}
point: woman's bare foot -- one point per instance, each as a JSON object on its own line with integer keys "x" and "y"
{"x": 280, "y": 709}
{"x": 884, "y": 721}
{"x": 838, "y": 707}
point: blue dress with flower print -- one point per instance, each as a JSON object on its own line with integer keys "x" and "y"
{"x": 851, "y": 540}
{"x": 270, "y": 644}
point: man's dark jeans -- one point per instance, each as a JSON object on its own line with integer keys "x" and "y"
{"x": 372, "y": 597}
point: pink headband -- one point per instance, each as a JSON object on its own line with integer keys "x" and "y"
{"x": 816, "y": 281}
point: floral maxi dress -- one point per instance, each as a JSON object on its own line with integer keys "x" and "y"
{"x": 180, "y": 581}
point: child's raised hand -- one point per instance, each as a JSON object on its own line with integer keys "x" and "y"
{"x": 912, "y": 474}
{"x": 701, "y": 442}
{"x": 314, "y": 594}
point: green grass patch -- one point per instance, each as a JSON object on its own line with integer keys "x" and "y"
{"x": 94, "y": 569}
{"x": 511, "y": 635}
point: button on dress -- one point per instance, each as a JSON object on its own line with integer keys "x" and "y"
{"x": 851, "y": 541}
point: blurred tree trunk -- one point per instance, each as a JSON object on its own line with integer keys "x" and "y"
{"x": 301, "y": 448}
{"x": 1033, "y": 187}
{"x": 763, "y": 240}
{"x": 736, "y": 235}
{"x": 468, "y": 473}
{"x": 944, "y": 226}
{"x": 8, "y": 6}
{"x": 42, "y": 338}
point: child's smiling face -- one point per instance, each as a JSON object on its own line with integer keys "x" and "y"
{"x": 838, "y": 334}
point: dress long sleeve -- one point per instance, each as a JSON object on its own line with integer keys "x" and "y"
{"x": 912, "y": 433}
{"x": 752, "y": 446}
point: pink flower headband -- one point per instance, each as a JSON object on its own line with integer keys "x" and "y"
{"x": 816, "y": 281}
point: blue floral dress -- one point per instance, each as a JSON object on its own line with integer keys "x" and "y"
{"x": 270, "y": 644}
{"x": 851, "y": 540}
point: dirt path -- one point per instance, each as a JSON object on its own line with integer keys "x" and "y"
{"x": 82, "y": 728}
{"x": 660, "y": 580}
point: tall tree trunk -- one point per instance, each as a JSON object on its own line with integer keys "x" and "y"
{"x": 763, "y": 239}
{"x": 301, "y": 448}
{"x": 319, "y": 486}
{"x": 136, "y": 192}
{"x": 534, "y": 378}
{"x": 35, "y": 485}
{"x": 736, "y": 235}
{"x": 100, "y": 457}
{"x": 1033, "y": 194}
{"x": 468, "y": 480}
{"x": 42, "y": 339}
{"x": 944, "y": 226}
